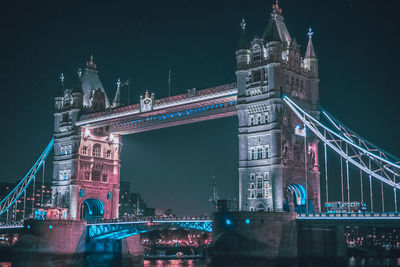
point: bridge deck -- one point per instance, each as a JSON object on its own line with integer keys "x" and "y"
{"x": 205, "y": 104}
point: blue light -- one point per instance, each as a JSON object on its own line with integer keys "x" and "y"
{"x": 247, "y": 221}
{"x": 50, "y": 226}
{"x": 29, "y": 227}
{"x": 228, "y": 222}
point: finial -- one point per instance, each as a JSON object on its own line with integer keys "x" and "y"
{"x": 276, "y": 9}
{"x": 62, "y": 78}
{"x": 310, "y": 33}
{"x": 147, "y": 94}
{"x": 119, "y": 83}
{"x": 243, "y": 24}
{"x": 91, "y": 64}
{"x": 80, "y": 72}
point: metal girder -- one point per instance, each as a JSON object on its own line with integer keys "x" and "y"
{"x": 367, "y": 160}
{"x": 9, "y": 200}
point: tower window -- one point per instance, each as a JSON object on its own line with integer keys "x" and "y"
{"x": 256, "y": 76}
{"x": 252, "y": 177}
{"x": 84, "y": 150}
{"x": 87, "y": 175}
{"x": 256, "y": 55}
{"x": 95, "y": 176}
{"x": 260, "y": 153}
{"x": 96, "y": 150}
{"x": 251, "y": 120}
{"x": 65, "y": 117}
{"x": 259, "y": 193}
{"x": 108, "y": 154}
{"x": 259, "y": 119}
{"x": 253, "y": 153}
{"x": 104, "y": 178}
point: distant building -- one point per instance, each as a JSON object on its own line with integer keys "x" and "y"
{"x": 132, "y": 204}
{"x": 41, "y": 198}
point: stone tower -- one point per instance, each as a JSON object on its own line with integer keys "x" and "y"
{"x": 86, "y": 161}
{"x": 272, "y": 157}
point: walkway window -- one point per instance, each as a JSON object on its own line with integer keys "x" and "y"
{"x": 260, "y": 153}
{"x": 96, "y": 150}
{"x": 95, "y": 176}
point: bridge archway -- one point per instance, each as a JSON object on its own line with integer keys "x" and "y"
{"x": 296, "y": 198}
{"x": 92, "y": 208}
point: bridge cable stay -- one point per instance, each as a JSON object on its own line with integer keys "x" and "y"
{"x": 21, "y": 187}
{"x": 384, "y": 168}
{"x": 359, "y": 156}
{"x": 351, "y": 135}
{"x": 42, "y": 188}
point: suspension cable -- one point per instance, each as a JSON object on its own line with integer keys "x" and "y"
{"x": 305, "y": 165}
{"x": 302, "y": 115}
{"x": 370, "y": 189}
{"x": 42, "y": 188}
{"x": 341, "y": 176}
{"x": 395, "y": 194}
{"x": 326, "y": 174}
{"x": 23, "y": 212}
{"x": 33, "y": 196}
{"x": 383, "y": 200}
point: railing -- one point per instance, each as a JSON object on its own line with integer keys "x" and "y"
{"x": 350, "y": 215}
{"x": 150, "y": 219}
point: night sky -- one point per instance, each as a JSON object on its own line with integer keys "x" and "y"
{"x": 357, "y": 43}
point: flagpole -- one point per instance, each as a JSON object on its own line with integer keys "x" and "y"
{"x": 129, "y": 92}
{"x": 169, "y": 82}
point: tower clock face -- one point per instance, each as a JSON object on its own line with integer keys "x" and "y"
{"x": 147, "y": 101}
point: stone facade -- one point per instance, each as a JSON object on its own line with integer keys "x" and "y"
{"x": 271, "y": 155}
{"x": 86, "y": 161}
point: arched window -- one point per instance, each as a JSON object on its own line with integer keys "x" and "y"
{"x": 96, "y": 150}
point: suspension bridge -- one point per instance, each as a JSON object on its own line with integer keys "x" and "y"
{"x": 354, "y": 151}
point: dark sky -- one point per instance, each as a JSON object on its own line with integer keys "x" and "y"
{"x": 356, "y": 41}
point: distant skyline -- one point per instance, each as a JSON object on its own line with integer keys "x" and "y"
{"x": 356, "y": 44}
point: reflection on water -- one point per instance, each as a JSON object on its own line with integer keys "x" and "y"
{"x": 107, "y": 261}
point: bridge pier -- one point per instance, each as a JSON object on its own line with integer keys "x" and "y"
{"x": 271, "y": 235}
{"x": 64, "y": 237}
{"x": 321, "y": 241}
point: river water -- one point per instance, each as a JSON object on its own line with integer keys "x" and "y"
{"x": 104, "y": 261}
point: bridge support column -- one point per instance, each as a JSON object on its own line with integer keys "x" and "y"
{"x": 271, "y": 235}
{"x": 321, "y": 241}
{"x": 52, "y": 237}
{"x": 132, "y": 246}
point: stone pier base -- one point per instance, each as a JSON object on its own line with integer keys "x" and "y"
{"x": 271, "y": 235}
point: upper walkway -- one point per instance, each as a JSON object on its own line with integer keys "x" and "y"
{"x": 186, "y": 108}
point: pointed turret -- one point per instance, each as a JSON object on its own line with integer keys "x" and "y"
{"x": 91, "y": 81}
{"x": 243, "y": 40}
{"x": 117, "y": 101}
{"x": 276, "y": 29}
{"x": 310, "y": 53}
{"x": 243, "y": 52}
{"x": 60, "y": 87}
{"x": 77, "y": 86}
{"x": 310, "y": 59}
